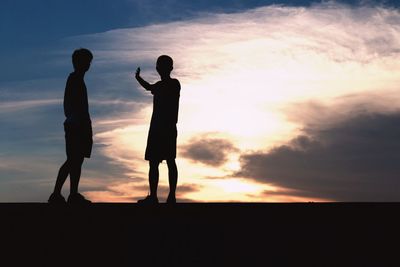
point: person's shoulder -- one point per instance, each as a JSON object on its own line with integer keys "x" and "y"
{"x": 72, "y": 77}
{"x": 175, "y": 80}
{"x": 157, "y": 85}
{"x": 70, "y": 80}
{"x": 176, "y": 83}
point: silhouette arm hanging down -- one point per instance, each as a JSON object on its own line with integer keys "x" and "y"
{"x": 146, "y": 85}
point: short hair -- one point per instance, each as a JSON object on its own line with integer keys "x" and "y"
{"x": 80, "y": 56}
{"x": 166, "y": 62}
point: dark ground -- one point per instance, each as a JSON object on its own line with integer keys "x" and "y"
{"x": 212, "y": 234}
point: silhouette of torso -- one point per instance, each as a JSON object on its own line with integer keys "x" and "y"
{"x": 76, "y": 107}
{"x": 165, "y": 103}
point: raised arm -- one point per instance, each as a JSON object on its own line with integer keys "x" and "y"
{"x": 142, "y": 82}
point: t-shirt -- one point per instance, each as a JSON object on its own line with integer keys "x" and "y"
{"x": 165, "y": 103}
{"x": 76, "y": 107}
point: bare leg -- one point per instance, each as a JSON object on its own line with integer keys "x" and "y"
{"x": 172, "y": 176}
{"x": 153, "y": 178}
{"x": 75, "y": 174}
{"x": 61, "y": 177}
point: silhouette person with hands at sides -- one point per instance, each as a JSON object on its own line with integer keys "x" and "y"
{"x": 78, "y": 130}
{"x": 161, "y": 140}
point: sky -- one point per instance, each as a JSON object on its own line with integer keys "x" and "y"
{"x": 281, "y": 101}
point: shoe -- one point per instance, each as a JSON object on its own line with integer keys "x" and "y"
{"x": 56, "y": 199}
{"x": 149, "y": 200}
{"x": 78, "y": 199}
{"x": 171, "y": 199}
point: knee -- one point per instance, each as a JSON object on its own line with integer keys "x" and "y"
{"x": 171, "y": 163}
{"x": 75, "y": 162}
{"x": 66, "y": 164}
{"x": 154, "y": 165}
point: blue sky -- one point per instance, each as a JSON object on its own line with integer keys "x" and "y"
{"x": 39, "y": 37}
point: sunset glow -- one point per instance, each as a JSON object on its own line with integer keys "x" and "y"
{"x": 252, "y": 82}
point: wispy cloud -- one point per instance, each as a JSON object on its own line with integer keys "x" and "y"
{"x": 13, "y": 106}
{"x": 261, "y": 59}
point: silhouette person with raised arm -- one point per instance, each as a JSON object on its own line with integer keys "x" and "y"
{"x": 78, "y": 129}
{"x": 161, "y": 140}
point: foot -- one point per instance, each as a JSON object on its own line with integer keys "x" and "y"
{"x": 148, "y": 200}
{"x": 171, "y": 199}
{"x": 78, "y": 199}
{"x": 56, "y": 199}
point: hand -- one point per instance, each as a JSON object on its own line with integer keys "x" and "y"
{"x": 137, "y": 73}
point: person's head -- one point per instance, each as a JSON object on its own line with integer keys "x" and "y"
{"x": 81, "y": 59}
{"x": 164, "y": 65}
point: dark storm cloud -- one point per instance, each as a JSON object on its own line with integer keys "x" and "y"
{"x": 209, "y": 151}
{"x": 353, "y": 159}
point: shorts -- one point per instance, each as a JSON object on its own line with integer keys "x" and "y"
{"x": 161, "y": 143}
{"x": 78, "y": 140}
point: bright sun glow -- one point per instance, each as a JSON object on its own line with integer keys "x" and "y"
{"x": 238, "y": 75}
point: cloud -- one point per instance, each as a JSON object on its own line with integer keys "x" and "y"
{"x": 362, "y": 33}
{"x": 354, "y": 158}
{"x": 13, "y": 106}
{"x": 209, "y": 151}
{"x": 239, "y": 72}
